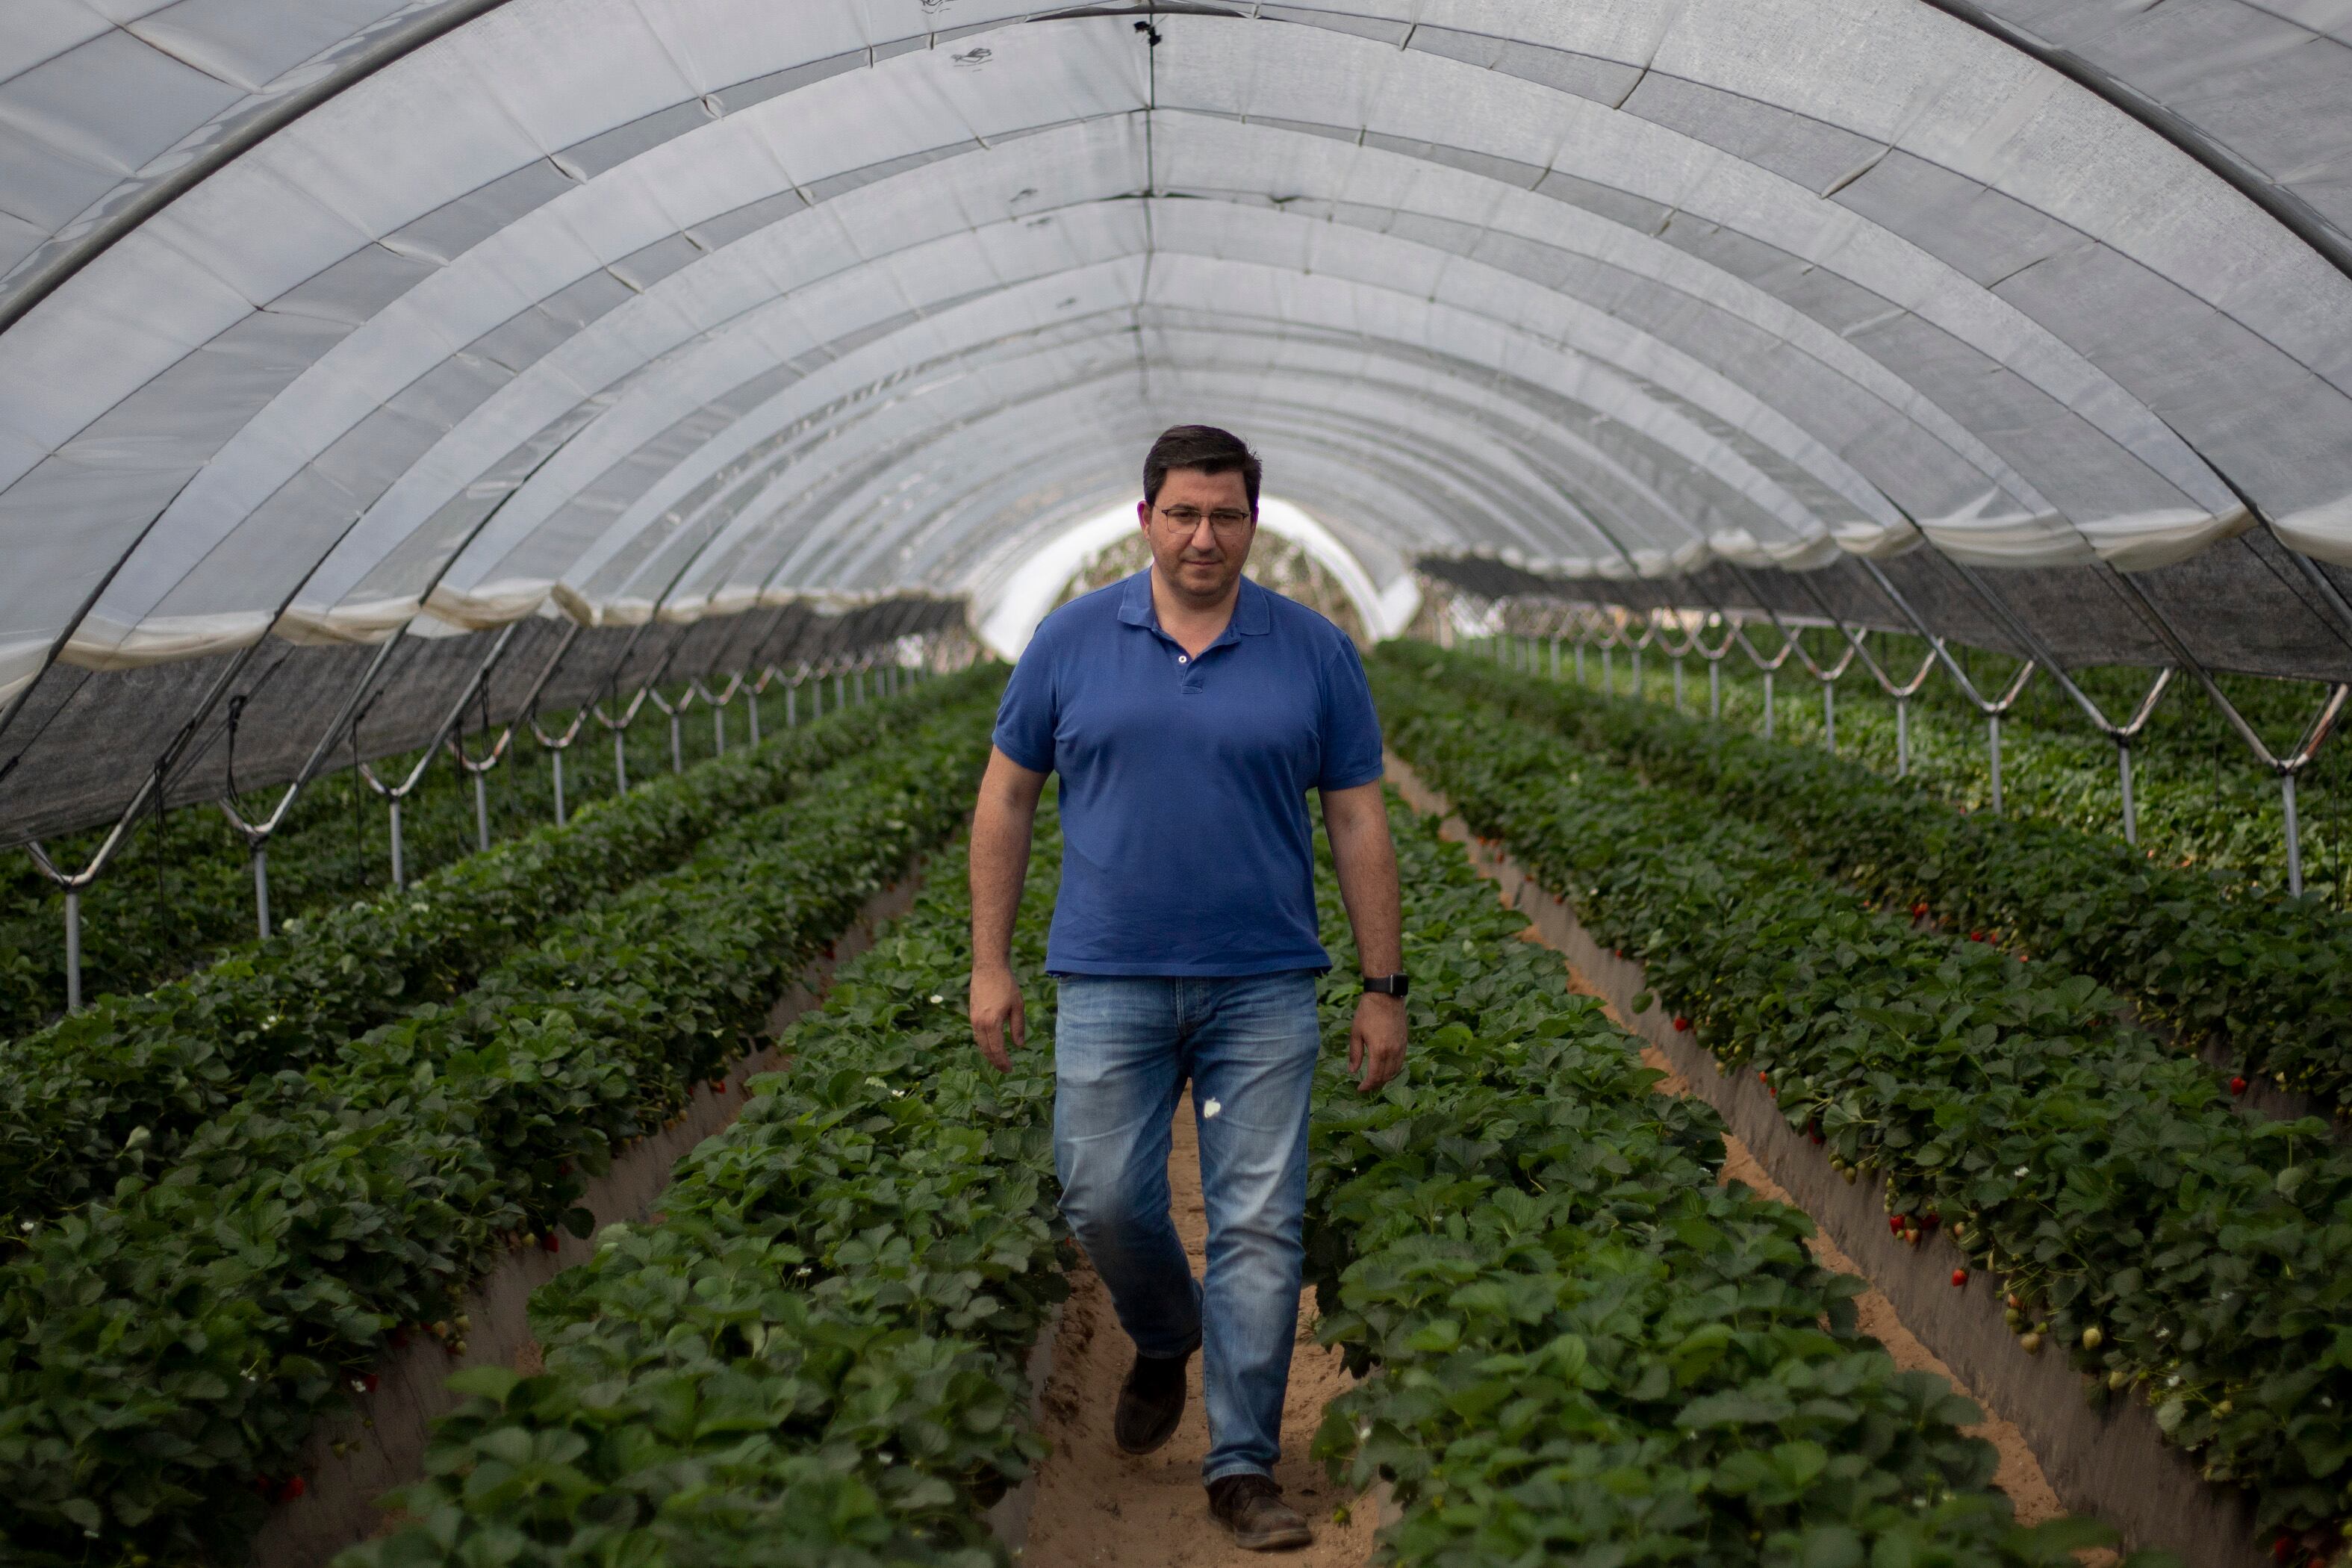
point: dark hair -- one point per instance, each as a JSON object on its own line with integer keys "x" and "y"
{"x": 1204, "y": 448}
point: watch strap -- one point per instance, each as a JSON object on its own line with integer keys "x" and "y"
{"x": 1387, "y": 984}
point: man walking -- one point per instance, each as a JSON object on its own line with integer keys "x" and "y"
{"x": 1188, "y": 711}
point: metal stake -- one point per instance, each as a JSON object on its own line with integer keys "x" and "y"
{"x": 2123, "y": 766}
{"x": 1678, "y": 686}
{"x": 1715, "y": 688}
{"x": 261, "y": 889}
{"x": 1768, "y": 705}
{"x": 719, "y": 731}
{"x": 482, "y": 811}
{"x": 755, "y": 721}
{"x": 1902, "y": 737}
{"x": 399, "y": 871}
{"x": 1580, "y": 663}
{"x": 1609, "y": 671}
{"x": 1637, "y": 674}
{"x": 676, "y": 752}
{"x": 559, "y": 787}
{"x": 1828, "y": 715}
{"x": 73, "y": 949}
{"x": 792, "y": 718}
{"x": 620, "y": 765}
{"x": 2294, "y": 838}
{"x": 1992, "y": 725}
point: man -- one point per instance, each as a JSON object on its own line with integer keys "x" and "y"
{"x": 1188, "y": 711}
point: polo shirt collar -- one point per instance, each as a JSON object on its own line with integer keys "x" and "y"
{"x": 1253, "y": 609}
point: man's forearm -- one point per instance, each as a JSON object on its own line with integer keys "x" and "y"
{"x": 1365, "y": 858}
{"x": 1000, "y": 864}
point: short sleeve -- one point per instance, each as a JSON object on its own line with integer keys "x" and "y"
{"x": 1025, "y": 718}
{"x": 1352, "y": 728}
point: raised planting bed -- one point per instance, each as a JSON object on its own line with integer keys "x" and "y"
{"x": 1581, "y": 1346}
{"x": 115, "y": 1090}
{"x": 2178, "y": 1247}
{"x": 2263, "y": 982}
{"x": 816, "y": 1358}
{"x": 170, "y": 1351}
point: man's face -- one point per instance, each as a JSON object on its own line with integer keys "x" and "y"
{"x": 1199, "y": 529}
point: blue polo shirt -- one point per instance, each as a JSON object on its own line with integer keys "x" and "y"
{"x": 1186, "y": 846}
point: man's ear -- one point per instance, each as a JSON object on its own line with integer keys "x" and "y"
{"x": 1143, "y": 515}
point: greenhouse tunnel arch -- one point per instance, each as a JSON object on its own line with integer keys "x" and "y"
{"x": 441, "y": 316}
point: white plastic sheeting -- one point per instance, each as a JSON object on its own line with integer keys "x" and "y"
{"x": 660, "y": 309}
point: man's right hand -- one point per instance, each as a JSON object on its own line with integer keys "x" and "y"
{"x": 997, "y": 1015}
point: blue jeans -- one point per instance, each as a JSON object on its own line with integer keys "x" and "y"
{"x": 1123, "y": 1048}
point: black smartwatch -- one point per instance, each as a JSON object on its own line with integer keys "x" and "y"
{"x": 1387, "y": 984}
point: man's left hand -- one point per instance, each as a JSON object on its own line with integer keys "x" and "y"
{"x": 1376, "y": 1043}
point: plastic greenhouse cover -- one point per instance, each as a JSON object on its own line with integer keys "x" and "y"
{"x": 650, "y": 308}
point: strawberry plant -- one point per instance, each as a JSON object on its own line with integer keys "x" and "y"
{"x": 168, "y": 1342}
{"x": 816, "y": 1358}
{"x": 1581, "y": 1346}
{"x": 117, "y": 1087}
{"x": 2109, "y": 1179}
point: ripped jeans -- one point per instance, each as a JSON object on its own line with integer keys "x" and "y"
{"x": 1124, "y": 1048}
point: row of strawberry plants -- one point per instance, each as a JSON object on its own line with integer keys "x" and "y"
{"x": 179, "y": 893}
{"x": 171, "y": 1342}
{"x": 1586, "y": 1349}
{"x": 2178, "y": 1246}
{"x": 121, "y": 1085}
{"x": 2268, "y": 978}
{"x": 814, "y": 1360}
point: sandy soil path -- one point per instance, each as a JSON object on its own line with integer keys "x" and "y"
{"x": 1095, "y": 1505}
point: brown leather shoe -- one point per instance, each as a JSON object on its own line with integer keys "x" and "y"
{"x": 1251, "y": 1506}
{"x": 1150, "y": 1402}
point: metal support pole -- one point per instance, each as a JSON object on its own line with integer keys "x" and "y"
{"x": 2294, "y": 838}
{"x": 1828, "y": 715}
{"x": 1715, "y": 688}
{"x": 399, "y": 868}
{"x": 1768, "y": 705}
{"x": 1992, "y": 742}
{"x": 1609, "y": 671}
{"x": 792, "y": 705}
{"x": 677, "y": 750}
{"x": 1637, "y": 674}
{"x": 482, "y": 811}
{"x": 1580, "y": 663}
{"x": 73, "y": 949}
{"x": 1555, "y": 658}
{"x": 840, "y": 690}
{"x": 755, "y": 721}
{"x": 620, "y": 763}
{"x": 2123, "y": 768}
{"x": 261, "y": 889}
{"x": 1678, "y": 685}
{"x": 1902, "y": 737}
{"x": 719, "y": 731}
{"x": 559, "y": 787}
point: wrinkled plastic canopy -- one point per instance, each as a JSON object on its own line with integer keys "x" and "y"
{"x": 647, "y": 311}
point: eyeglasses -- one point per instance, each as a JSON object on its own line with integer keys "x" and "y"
{"x": 1227, "y": 523}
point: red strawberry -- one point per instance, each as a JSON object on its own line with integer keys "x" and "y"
{"x": 2237, "y": 1086}
{"x": 1763, "y": 1077}
{"x": 370, "y": 1381}
{"x": 1894, "y": 1224}
{"x": 1976, "y": 936}
{"x": 1682, "y": 1025}
{"x": 295, "y": 1487}
{"x": 551, "y": 1242}
{"x": 1959, "y": 1275}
